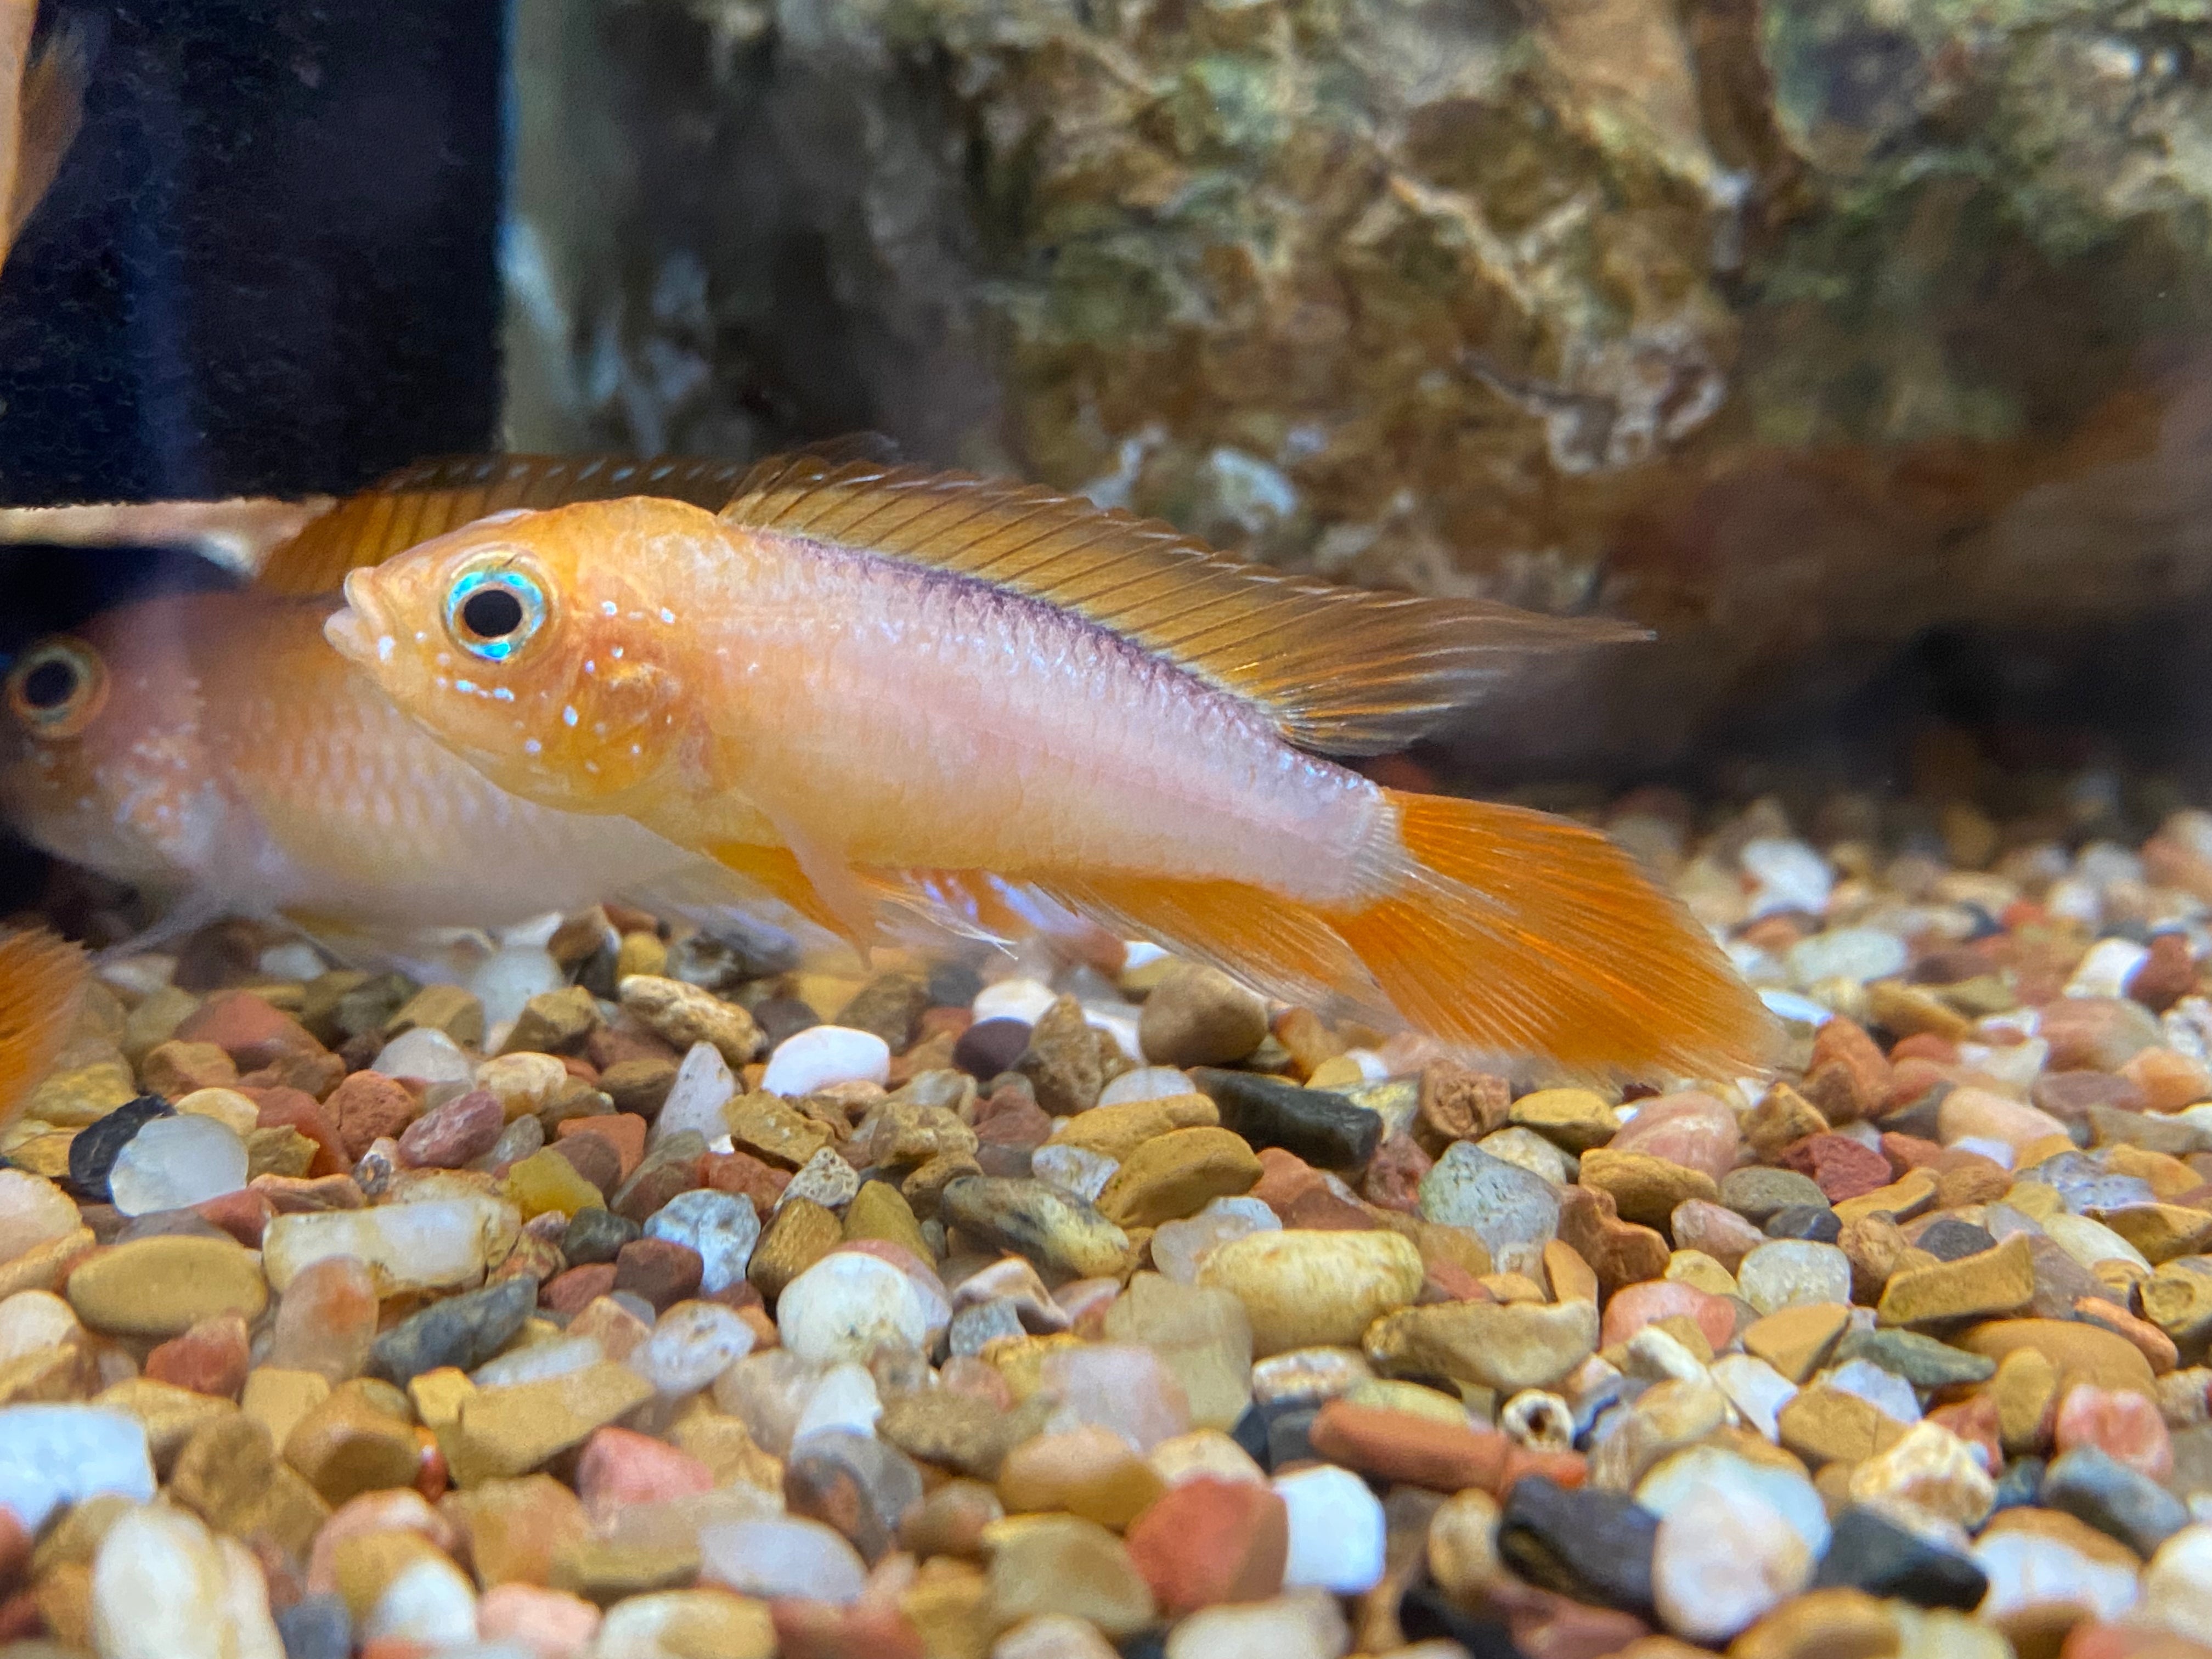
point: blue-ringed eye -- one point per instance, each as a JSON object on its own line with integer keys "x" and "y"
{"x": 57, "y": 688}
{"x": 490, "y": 613}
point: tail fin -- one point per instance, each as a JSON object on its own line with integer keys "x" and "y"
{"x": 42, "y": 979}
{"x": 48, "y": 105}
{"x": 1515, "y": 932}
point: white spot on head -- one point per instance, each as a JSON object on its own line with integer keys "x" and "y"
{"x": 568, "y": 715}
{"x": 503, "y": 693}
{"x": 384, "y": 644}
{"x": 591, "y": 666}
{"x": 606, "y": 607}
{"x": 616, "y": 654}
{"x": 666, "y": 615}
{"x": 532, "y": 746}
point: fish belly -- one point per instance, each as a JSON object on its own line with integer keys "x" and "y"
{"x": 365, "y": 818}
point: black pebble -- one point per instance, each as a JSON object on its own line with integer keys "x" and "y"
{"x": 954, "y": 985}
{"x": 1427, "y": 1615}
{"x": 1290, "y": 1435}
{"x": 1250, "y": 1431}
{"x": 1145, "y": 1645}
{"x": 595, "y": 1236}
{"x": 463, "y": 1331}
{"x": 2018, "y": 1486}
{"x": 315, "y": 1627}
{"x": 1869, "y": 1551}
{"x": 94, "y": 1152}
{"x": 1954, "y": 1240}
{"x": 1815, "y": 1221}
{"x": 1592, "y": 1546}
{"x": 1325, "y": 1129}
{"x": 783, "y": 1017}
{"x": 991, "y": 1045}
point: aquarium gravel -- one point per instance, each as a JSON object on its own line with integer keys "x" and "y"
{"x": 638, "y": 1299}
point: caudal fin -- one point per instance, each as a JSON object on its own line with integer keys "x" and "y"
{"x": 1514, "y": 931}
{"x": 42, "y": 979}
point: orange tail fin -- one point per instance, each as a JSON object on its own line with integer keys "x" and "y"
{"x": 42, "y": 979}
{"x": 1515, "y": 932}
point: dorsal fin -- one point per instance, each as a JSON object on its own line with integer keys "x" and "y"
{"x": 433, "y": 497}
{"x": 1340, "y": 671}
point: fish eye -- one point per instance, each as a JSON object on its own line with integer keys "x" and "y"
{"x": 491, "y": 612}
{"x": 57, "y": 688}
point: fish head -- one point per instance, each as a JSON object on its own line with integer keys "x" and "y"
{"x": 533, "y": 645}
{"x": 101, "y": 760}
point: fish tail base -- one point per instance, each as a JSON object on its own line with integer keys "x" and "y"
{"x": 1505, "y": 931}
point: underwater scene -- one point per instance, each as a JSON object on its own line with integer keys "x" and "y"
{"x": 1106, "y": 829}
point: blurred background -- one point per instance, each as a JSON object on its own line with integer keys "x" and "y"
{"x": 1862, "y": 351}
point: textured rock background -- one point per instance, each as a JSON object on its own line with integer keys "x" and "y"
{"x": 1792, "y": 329}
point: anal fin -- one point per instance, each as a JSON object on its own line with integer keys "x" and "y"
{"x": 1275, "y": 944}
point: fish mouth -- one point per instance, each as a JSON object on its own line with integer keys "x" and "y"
{"x": 355, "y": 631}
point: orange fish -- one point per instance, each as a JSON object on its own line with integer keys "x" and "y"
{"x": 862, "y": 684}
{"x": 41, "y": 101}
{"x": 212, "y": 748}
{"x": 42, "y": 979}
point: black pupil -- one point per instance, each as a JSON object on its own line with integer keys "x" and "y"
{"x": 50, "y": 685}
{"x": 491, "y": 613}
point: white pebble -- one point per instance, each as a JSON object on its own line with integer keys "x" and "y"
{"x": 2091, "y": 1241}
{"x": 52, "y": 1456}
{"x": 1336, "y": 1530}
{"x": 703, "y": 1086}
{"x": 1883, "y": 1389}
{"x": 2107, "y": 968}
{"x": 1790, "y": 876}
{"x": 1298, "y": 1624}
{"x": 1798, "y": 1010}
{"x": 2026, "y": 1570}
{"x": 173, "y": 1161}
{"x": 1999, "y": 1152}
{"x": 1722, "y": 1559}
{"x": 694, "y": 1343}
{"x": 1078, "y": 1170}
{"x": 164, "y": 1587}
{"x": 2016, "y": 1063}
{"x": 844, "y": 1399}
{"x": 429, "y": 1600}
{"x": 1179, "y": 1247}
{"x": 1121, "y": 1027}
{"x": 298, "y": 960}
{"x": 1794, "y": 1273}
{"x": 848, "y": 1304}
{"x": 2177, "y": 1585}
{"x": 1024, "y": 1000}
{"x": 822, "y": 1055}
{"x": 1146, "y": 1083}
{"x": 1858, "y": 954}
{"x": 722, "y": 1227}
{"x": 426, "y": 1054}
{"x": 31, "y": 1320}
{"x": 1755, "y": 1388}
{"x": 538, "y": 1361}
{"x": 512, "y": 976}
{"x": 436, "y": 1244}
{"x": 769, "y": 1559}
{"x": 1794, "y": 1499}
{"x": 33, "y": 1209}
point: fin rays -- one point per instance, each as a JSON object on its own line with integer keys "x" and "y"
{"x": 1340, "y": 671}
